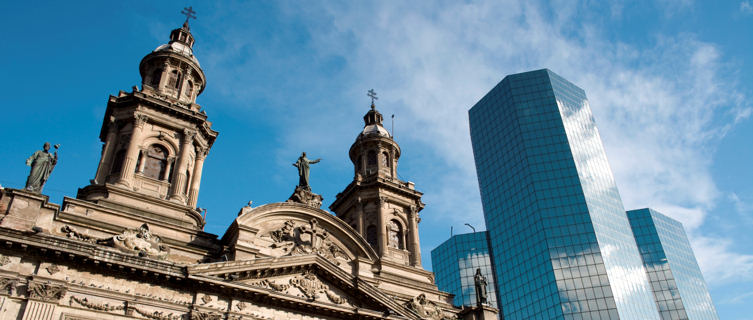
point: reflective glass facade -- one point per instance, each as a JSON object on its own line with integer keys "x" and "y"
{"x": 561, "y": 241}
{"x": 454, "y": 264}
{"x": 679, "y": 289}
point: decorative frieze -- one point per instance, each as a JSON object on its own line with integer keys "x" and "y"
{"x": 8, "y": 285}
{"x": 4, "y": 260}
{"x": 290, "y": 239}
{"x": 140, "y": 241}
{"x": 84, "y": 302}
{"x": 156, "y": 315}
{"x": 425, "y": 308}
{"x": 52, "y": 269}
{"x": 47, "y": 292}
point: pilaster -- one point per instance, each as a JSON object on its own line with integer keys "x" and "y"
{"x": 129, "y": 164}
{"x": 179, "y": 175}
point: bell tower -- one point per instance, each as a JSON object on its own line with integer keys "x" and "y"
{"x": 156, "y": 139}
{"x": 381, "y": 207}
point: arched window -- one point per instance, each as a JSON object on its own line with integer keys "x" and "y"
{"x": 117, "y": 164}
{"x": 174, "y": 80}
{"x": 156, "y": 162}
{"x": 371, "y": 236}
{"x": 156, "y": 76}
{"x": 189, "y": 88}
{"x": 385, "y": 159}
{"x": 395, "y": 239}
{"x": 371, "y": 158}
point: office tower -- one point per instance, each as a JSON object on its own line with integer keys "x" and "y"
{"x": 454, "y": 263}
{"x": 561, "y": 241}
{"x": 679, "y": 289}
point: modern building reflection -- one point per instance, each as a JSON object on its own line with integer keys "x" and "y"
{"x": 561, "y": 241}
{"x": 679, "y": 289}
{"x": 454, "y": 263}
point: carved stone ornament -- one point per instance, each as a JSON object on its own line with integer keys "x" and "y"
{"x": 157, "y": 315}
{"x": 8, "y": 285}
{"x": 206, "y": 299}
{"x": 241, "y": 305}
{"x": 140, "y": 241}
{"x": 202, "y": 315}
{"x": 72, "y": 233}
{"x": 52, "y": 269}
{"x": 425, "y": 309}
{"x": 305, "y": 239}
{"x": 4, "y": 260}
{"x": 95, "y": 306}
{"x": 305, "y": 196}
{"x": 46, "y": 291}
{"x": 307, "y": 283}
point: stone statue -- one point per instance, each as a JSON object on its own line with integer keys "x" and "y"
{"x": 303, "y": 170}
{"x": 480, "y": 282}
{"x": 42, "y": 163}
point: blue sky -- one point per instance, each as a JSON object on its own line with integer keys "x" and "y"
{"x": 669, "y": 83}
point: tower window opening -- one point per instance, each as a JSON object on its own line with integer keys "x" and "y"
{"x": 173, "y": 80}
{"x": 371, "y": 236}
{"x": 359, "y": 163}
{"x": 156, "y": 75}
{"x": 371, "y": 158}
{"x": 156, "y": 162}
{"x": 395, "y": 232}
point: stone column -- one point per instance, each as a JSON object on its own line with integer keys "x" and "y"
{"x": 142, "y": 154}
{"x": 381, "y": 226}
{"x": 415, "y": 246}
{"x": 129, "y": 164}
{"x": 105, "y": 161}
{"x": 179, "y": 176}
{"x": 166, "y": 175}
{"x": 193, "y": 195}
{"x": 359, "y": 217}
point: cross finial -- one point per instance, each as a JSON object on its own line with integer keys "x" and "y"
{"x": 189, "y": 13}
{"x": 373, "y": 96}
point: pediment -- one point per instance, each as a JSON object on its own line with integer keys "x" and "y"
{"x": 291, "y": 229}
{"x": 307, "y": 280}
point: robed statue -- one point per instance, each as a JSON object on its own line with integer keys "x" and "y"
{"x": 303, "y": 170}
{"x": 42, "y": 163}
{"x": 480, "y": 282}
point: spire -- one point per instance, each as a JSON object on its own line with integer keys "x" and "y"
{"x": 183, "y": 34}
{"x": 373, "y": 116}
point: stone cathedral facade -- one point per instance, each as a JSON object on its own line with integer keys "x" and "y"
{"x": 131, "y": 245}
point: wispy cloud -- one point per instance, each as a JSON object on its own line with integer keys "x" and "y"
{"x": 746, "y": 7}
{"x": 661, "y": 109}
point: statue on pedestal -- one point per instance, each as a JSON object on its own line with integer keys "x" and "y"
{"x": 303, "y": 170}
{"x": 41, "y": 163}
{"x": 302, "y": 193}
{"x": 480, "y": 283}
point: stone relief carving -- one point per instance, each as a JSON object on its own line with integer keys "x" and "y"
{"x": 140, "y": 241}
{"x": 425, "y": 309}
{"x": 8, "y": 285}
{"x": 206, "y": 299}
{"x": 241, "y": 305}
{"x": 52, "y": 269}
{"x": 72, "y": 233}
{"x": 95, "y": 306}
{"x": 46, "y": 291}
{"x": 201, "y": 315}
{"x": 4, "y": 260}
{"x": 157, "y": 315}
{"x": 307, "y": 283}
{"x": 305, "y": 239}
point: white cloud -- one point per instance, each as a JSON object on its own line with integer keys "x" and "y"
{"x": 746, "y": 7}
{"x": 660, "y": 109}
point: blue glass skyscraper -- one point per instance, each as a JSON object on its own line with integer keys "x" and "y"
{"x": 561, "y": 241}
{"x": 454, "y": 263}
{"x": 679, "y": 289}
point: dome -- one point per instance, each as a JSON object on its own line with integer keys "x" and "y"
{"x": 375, "y": 129}
{"x": 179, "y": 48}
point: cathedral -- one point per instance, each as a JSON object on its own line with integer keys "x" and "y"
{"x": 131, "y": 244}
